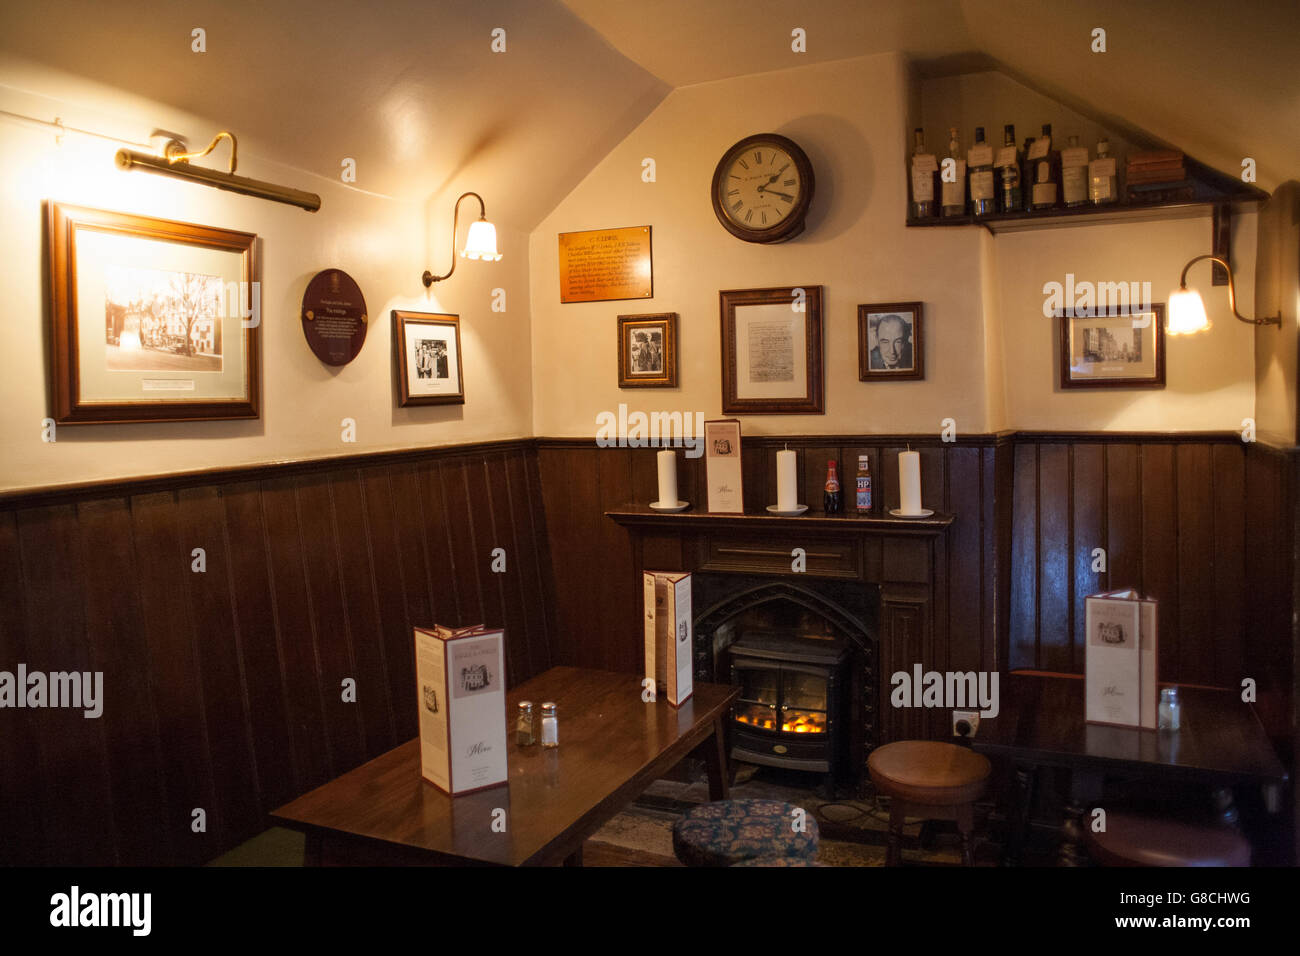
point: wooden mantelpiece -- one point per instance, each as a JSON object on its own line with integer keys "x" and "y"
{"x": 898, "y": 556}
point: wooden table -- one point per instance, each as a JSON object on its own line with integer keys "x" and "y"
{"x": 612, "y": 745}
{"x": 1221, "y": 744}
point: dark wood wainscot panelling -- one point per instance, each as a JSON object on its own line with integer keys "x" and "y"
{"x": 598, "y": 600}
{"x": 223, "y": 690}
{"x": 1199, "y": 522}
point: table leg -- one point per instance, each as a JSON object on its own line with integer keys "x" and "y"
{"x": 1225, "y": 806}
{"x": 1018, "y": 825}
{"x": 1085, "y": 788}
{"x": 715, "y": 760}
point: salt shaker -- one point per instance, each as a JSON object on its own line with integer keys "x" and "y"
{"x": 550, "y": 726}
{"x": 1170, "y": 711}
{"x": 524, "y": 725}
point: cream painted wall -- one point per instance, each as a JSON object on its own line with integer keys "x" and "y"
{"x": 850, "y": 117}
{"x": 382, "y": 243}
{"x": 1209, "y": 377}
{"x": 990, "y": 355}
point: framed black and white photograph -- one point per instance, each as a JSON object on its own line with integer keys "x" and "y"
{"x": 772, "y": 350}
{"x": 428, "y": 358}
{"x": 1123, "y": 348}
{"x": 153, "y": 320}
{"x": 890, "y": 342}
{"x": 647, "y": 350}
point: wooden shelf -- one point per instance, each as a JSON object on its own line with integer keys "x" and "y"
{"x": 642, "y": 516}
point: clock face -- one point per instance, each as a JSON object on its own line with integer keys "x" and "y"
{"x": 762, "y": 189}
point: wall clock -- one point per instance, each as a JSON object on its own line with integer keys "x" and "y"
{"x": 762, "y": 189}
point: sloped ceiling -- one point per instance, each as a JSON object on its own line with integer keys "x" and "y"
{"x": 1219, "y": 81}
{"x": 410, "y": 89}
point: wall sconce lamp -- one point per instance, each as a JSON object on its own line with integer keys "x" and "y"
{"x": 1187, "y": 310}
{"x": 176, "y": 162}
{"x": 480, "y": 241}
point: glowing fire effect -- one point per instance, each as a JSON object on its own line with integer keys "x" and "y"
{"x": 801, "y": 724}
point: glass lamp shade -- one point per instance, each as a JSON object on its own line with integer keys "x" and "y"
{"x": 481, "y": 242}
{"x": 1186, "y": 313}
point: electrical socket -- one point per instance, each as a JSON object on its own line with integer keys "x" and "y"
{"x": 971, "y": 718}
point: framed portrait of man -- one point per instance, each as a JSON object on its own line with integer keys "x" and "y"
{"x": 890, "y": 343}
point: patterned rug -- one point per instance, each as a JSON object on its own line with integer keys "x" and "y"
{"x": 853, "y": 832}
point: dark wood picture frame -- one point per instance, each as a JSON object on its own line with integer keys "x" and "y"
{"x": 401, "y": 319}
{"x": 1064, "y": 351}
{"x": 63, "y": 224}
{"x": 916, "y": 344}
{"x": 667, "y": 377}
{"x": 813, "y": 400}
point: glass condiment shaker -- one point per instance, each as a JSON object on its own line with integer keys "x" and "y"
{"x": 524, "y": 725}
{"x": 1170, "y": 712}
{"x": 550, "y": 726}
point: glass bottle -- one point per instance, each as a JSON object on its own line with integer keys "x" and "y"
{"x": 1008, "y": 168}
{"x": 1074, "y": 173}
{"x": 1170, "y": 711}
{"x": 550, "y": 726}
{"x": 1103, "y": 183}
{"x": 864, "y": 485}
{"x": 831, "y": 498}
{"x": 925, "y": 170}
{"x": 524, "y": 735}
{"x": 1027, "y": 176}
{"x": 1046, "y": 177}
{"x": 979, "y": 159}
{"x": 954, "y": 193}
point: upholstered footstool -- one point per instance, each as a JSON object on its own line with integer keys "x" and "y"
{"x": 732, "y": 831}
{"x": 779, "y": 861}
{"x": 929, "y": 779}
{"x": 1131, "y": 839}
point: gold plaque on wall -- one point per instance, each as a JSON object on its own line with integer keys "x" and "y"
{"x": 601, "y": 265}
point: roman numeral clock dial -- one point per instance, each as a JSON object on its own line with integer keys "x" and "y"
{"x": 762, "y": 188}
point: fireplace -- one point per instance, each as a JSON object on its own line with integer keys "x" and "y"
{"x": 803, "y": 655}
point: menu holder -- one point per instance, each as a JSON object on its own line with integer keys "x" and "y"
{"x": 722, "y": 466}
{"x": 668, "y": 634}
{"x": 1120, "y": 659}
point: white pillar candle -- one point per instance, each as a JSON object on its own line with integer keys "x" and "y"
{"x": 909, "y": 482}
{"x": 787, "y": 496}
{"x": 668, "y": 478}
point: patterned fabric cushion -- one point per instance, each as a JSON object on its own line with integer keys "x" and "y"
{"x": 779, "y": 861}
{"x": 727, "y": 832}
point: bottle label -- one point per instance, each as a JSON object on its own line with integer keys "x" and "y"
{"x": 864, "y": 492}
{"x": 954, "y": 194}
{"x": 1074, "y": 184}
{"x": 922, "y": 185}
{"x": 924, "y": 163}
{"x": 1102, "y": 166}
{"x": 981, "y": 184}
{"x": 1074, "y": 156}
{"x": 1006, "y": 156}
{"x": 832, "y": 484}
{"x": 980, "y": 156}
{"x": 1040, "y": 147}
{"x": 1044, "y": 194}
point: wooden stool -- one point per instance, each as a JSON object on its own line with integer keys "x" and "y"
{"x": 926, "y": 778}
{"x": 1135, "y": 840}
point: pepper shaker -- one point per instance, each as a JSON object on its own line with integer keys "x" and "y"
{"x": 524, "y": 725}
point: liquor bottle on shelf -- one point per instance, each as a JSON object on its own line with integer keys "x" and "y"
{"x": 831, "y": 498}
{"x": 925, "y": 172}
{"x": 1046, "y": 177}
{"x": 1074, "y": 173}
{"x": 1007, "y": 172}
{"x": 1027, "y": 176}
{"x": 979, "y": 159}
{"x": 954, "y": 193}
{"x": 863, "y": 501}
{"x": 1103, "y": 183}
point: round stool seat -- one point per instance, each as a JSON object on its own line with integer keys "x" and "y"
{"x": 731, "y": 831}
{"x": 1135, "y": 840}
{"x": 779, "y": 861}
{"x": 929, "y": 772}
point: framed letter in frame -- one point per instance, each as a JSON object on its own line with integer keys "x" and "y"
{"x": 428, "y": 358}
{"x": 152, "y": 320}
{"x": 772, "y": 351}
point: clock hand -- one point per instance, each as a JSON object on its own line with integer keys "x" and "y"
{"x": 786, "y": 196}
